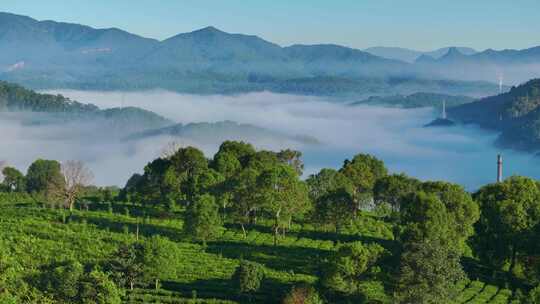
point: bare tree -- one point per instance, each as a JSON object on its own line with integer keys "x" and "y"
{"x": 75, "y": 177}
{"x": 170, "y": 149}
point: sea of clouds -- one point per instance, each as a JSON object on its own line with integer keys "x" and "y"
{"x": 459, "y": 154}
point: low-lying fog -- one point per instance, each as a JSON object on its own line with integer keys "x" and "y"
{"x": 460, "y": 154}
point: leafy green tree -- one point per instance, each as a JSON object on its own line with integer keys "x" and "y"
{"x": 429, "y": 271}
{"x": 430, "y": 261}
{"x": 510, "y": 213}
{"x": 41, "y": 174}
{"x": 462, "y": 211}
{"x": 393, "y": 189}
{"x": 303, "y": 295}
{"x": 159, "y": 260}
{"x": 63, "y": 281}
{"x": 248, "y": 277}
{"x": 351, "y": 264}
{"x": 336, "y": 208}
{"x": 14, "y": 180}
{"x": 423, "y": 218}
{"x": 363, "y": 171}
{"x": 245, "y": 200}
{"x": 127, "y": 265}
{"x": 283, "y": 195}
{"x": 98, "y": 288}
{"x": 201, "y": 219}
{"x": 240, "y": 150}
{"x": 327, "y": 180}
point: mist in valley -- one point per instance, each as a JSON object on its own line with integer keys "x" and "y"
{"x": 465, "y": 155}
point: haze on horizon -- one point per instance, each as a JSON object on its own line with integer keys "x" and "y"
{"x": 417, "y": 24}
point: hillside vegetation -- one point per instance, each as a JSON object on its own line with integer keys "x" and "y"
{"x": 516, "y": 114}
{"x": 243, "y": 228}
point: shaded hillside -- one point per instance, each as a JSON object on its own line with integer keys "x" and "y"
{"x": 516, "y": 114}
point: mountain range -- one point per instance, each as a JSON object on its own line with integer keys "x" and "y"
{"x": 49, "y": 54}
{"x": 409, "y": 55}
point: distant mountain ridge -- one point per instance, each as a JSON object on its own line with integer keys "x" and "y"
{"x": 411, "y": 56}
{"x": 49, "y": 54}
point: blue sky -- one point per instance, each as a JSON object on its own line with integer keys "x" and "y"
{"x": 419, "y": 24}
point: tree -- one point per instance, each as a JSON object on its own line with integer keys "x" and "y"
{"x": 244, "y": 197}
{"x": 351, "y": 264}
{"x": 240, "y": 150}
{"x": 201, "y": 219}
{"x": 41, "y": 174}
{"x": 159, "y": 260}
{"x": 63, "y": 281}
{"x": 510, "y": 214}
{"x": 98, "y": 288}
{"x": 75, "y": 177}
{"x": 247, "y": 277}
{"x": 392, "y": 189}
{"x": 430, "y": 260}
{"x": 283, "y": 195}
{"x": 429, "y": 271}
{"x": 127, "y": 265}
{"x": 462, "y": 211}
{"x": 14, "y": 180}
{"x": 303, "y": 295}
{"x": 293, "y": 159}
{"x": 363, "y": 171}
{"x": 336, "y": 208}
{"x": 327, "y": 180}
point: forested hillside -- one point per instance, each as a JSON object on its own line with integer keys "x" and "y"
{"x": 516, "y": 114}
{"x": 243, "y": 227}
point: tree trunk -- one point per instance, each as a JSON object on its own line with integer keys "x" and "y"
{"x": 243, "y": 230}
{"x": 157, "y": 284}
{"x": 131, "y": 285}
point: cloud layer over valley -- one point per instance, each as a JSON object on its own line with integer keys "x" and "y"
{"x": 460, "y": 154}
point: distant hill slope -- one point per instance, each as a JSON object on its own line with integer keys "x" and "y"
{"x": 14, "y": 98}
{"x": 516, "y": 114}
{"x": 222, "y": 131}
{"x": 411, "y": 56}
{"x": 417, "y": 100}
{"x": 49, "y": 54}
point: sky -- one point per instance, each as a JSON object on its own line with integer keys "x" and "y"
{"x": 418, "y": 24}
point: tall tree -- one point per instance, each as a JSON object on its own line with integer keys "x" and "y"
{"x": 41, "y": 174}
{"x": 393, "y": 189}
{"x": 510, "y": 214}
{"x": 363, "y": 171}
{"x": 159, "y": 260}
{"x": 429, "y": 272}
{"x": 430, "y": 263}
{"x": 201, "y": 219}
{"x": 283, "y": 195}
